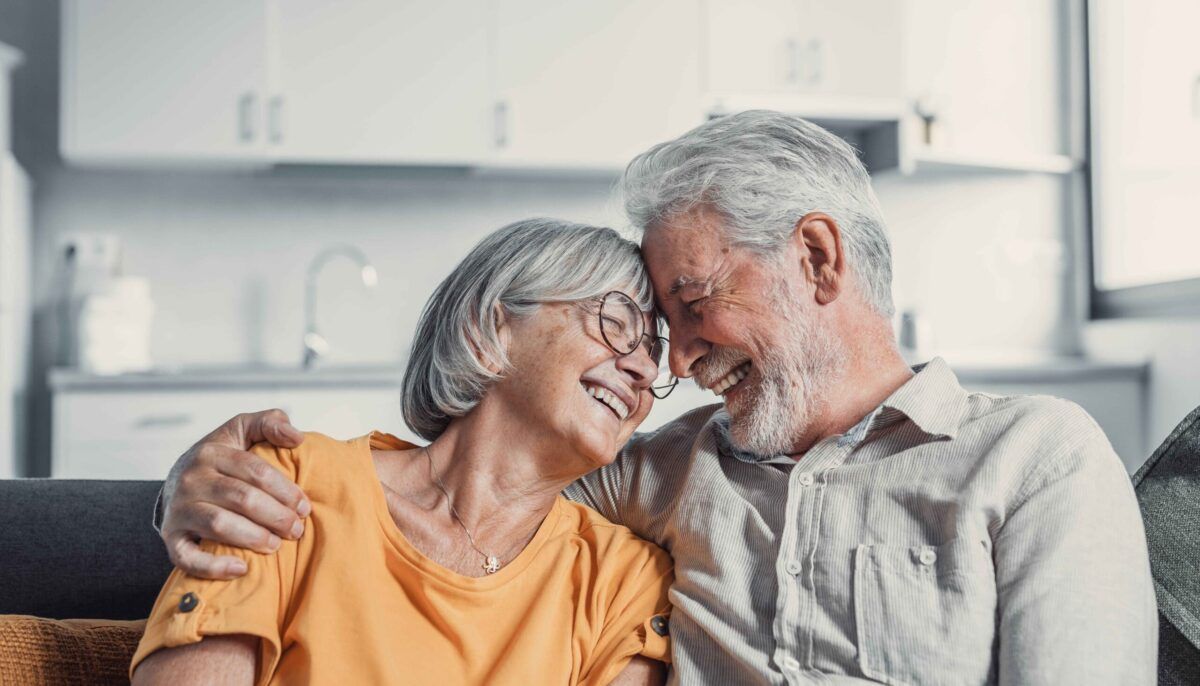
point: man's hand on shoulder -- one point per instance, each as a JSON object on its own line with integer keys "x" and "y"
{"x": 219, "y": 491}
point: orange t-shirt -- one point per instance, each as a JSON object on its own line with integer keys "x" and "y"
{"x": 353, "y": 602}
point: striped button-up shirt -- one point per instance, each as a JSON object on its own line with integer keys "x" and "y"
{"x": 948, "y": 538}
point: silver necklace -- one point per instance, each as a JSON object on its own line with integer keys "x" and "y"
{"x": 491, "y": 563}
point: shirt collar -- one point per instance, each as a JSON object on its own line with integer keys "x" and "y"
{"x": 932, "y": 399}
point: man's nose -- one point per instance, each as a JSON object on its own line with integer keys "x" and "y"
{"x": 686, "y": 348}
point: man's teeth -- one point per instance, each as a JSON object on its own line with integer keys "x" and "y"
{"x": 605, "y": 396}
{"x": 731, "y": 380}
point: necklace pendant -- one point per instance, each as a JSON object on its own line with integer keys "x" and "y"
{"x": 492, "y": 565}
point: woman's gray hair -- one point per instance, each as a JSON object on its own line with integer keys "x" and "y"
{"x": 512, "y": 271}
{"x": 762, "y": 171}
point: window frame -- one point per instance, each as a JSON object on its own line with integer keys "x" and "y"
{"x": 1179, "y": 298}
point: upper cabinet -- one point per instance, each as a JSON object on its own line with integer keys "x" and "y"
{"x": 590, "y": 84}
{"x": 805, "y": 47}
{"x": 163, "y": 80}
{"x": 379, "y": 81}
{"x": 551, "y": 84}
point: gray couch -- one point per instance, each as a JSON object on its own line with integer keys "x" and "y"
{"x": 86, "y": 549}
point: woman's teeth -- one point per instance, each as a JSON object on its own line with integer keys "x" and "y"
{"x": 732, "y": 379}
{"x": 606, "y": 397}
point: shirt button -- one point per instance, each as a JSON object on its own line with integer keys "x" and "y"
{"x": 806, "y": 479}
{"x": 659, "y": 624}
{"x": 188, "y": 602}
{"x": 927, "y": 557}
{"x": 793, "y": 567}
{"x": 791, "y": 664}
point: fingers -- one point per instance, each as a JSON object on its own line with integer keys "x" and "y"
{"x": 272, "y": 426}
{"x": 215, "y": 523}
{"x": 234, "y": 494}
{"x": 187, "y": 555}
{"x": 256, "y": 472}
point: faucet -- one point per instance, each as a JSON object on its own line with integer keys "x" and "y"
{"x": 315, "y": 345}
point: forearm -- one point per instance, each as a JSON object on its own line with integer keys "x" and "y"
{"x": 642, "y": 671}
{"x": 214, "y": 660}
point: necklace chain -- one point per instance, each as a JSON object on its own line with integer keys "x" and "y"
{"x": 491, "y": 563}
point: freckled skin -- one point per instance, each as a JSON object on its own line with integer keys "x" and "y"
{"x": 550, "y": 352}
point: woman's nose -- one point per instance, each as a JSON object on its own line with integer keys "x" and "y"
{"x": 638, "y": 365}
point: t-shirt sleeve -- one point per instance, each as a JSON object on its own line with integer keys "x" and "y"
{"x": 189, "y": 609}
{"x": 636, "y": 617}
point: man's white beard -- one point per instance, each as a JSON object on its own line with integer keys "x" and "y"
{"x": 794, "y": 380}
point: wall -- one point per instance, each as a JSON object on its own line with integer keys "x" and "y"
{"x": 1173, "y": 347}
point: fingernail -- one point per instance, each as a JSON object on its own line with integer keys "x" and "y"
{"x": 304, "y": 508}
{"x": 237, "y": 567}
{"x": 274, "y": 542}
{"x": 297, "y": 529}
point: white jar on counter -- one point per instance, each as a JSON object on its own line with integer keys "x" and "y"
{"x": 114, "y": 327}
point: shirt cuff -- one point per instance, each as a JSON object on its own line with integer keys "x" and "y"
{"x": 157, "y": 519}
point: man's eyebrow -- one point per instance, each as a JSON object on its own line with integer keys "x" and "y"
{"x": 680, "y": 283}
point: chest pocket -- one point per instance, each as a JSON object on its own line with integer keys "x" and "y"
{"x": 925, "y": 614}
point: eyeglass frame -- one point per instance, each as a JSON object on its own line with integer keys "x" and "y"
{"x": 654, "y": 390}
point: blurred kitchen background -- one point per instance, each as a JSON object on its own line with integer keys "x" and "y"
{"x": 222, "y": 206}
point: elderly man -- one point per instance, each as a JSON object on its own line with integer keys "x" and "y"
{"x": 842, "y": 517}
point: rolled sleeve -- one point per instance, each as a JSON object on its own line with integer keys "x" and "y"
{"x": 1073, "y": 574}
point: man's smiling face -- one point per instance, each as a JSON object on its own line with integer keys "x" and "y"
{"x": 744, "y": 326}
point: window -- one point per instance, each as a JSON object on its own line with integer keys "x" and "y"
{"x": 1144, "y": 83}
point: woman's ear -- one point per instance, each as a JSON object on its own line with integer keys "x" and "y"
{"x": 503, "y": 334}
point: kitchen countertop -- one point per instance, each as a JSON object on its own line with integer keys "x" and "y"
{"x": 230, "y": 377}
{"x": 971, "y": 368}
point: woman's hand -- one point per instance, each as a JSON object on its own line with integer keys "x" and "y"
{"x": 219, "y": 491}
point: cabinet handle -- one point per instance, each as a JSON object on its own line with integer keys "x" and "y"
{"x": 1196, "y": 97}
{"x": 163, "y": 420}
{"x": 246, "y": 117}
{"x": 793, "y": 61}
{"x": 275, "y": 119}
{"x": 816, "y": 64}
{"x": 500, "y": 122}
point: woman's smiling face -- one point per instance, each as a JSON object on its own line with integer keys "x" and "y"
{"x": 569, "y": 388}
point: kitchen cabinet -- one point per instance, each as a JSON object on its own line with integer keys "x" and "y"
{"x": 380, "y": 81}
{"x": 163, "y": 80}
{"x": 135, "y": 426}
{"x": 585, "y": 84}
{"x": 844, "y": 48}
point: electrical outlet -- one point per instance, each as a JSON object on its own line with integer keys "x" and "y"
{"x": 91, "y": 250}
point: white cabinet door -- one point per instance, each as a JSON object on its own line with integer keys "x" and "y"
{"x": 163, "y": 79}
{"x": 754, "y": 46}
{"x": 854, "y": 47}
{"x": 828, "y": 47}
{"x": 584, "y": 83}
{"x": 136, "y": 434}
{"x": 399, "y": 81}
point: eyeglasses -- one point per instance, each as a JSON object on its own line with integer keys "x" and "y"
{"x": 623, "y": 327}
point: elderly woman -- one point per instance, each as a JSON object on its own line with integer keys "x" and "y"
{"x": 458, "y": 562}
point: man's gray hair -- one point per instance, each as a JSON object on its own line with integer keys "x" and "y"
{"x": 762, "y": 171}
{"x": 512, "y": 271}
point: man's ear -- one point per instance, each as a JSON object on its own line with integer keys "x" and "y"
{"x": 818, "y": 241}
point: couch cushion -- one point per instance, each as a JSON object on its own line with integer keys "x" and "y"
{"x": 1168, "y": 491}
{"x": 79, "y": 548}
{"x": 37, "y": 651}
